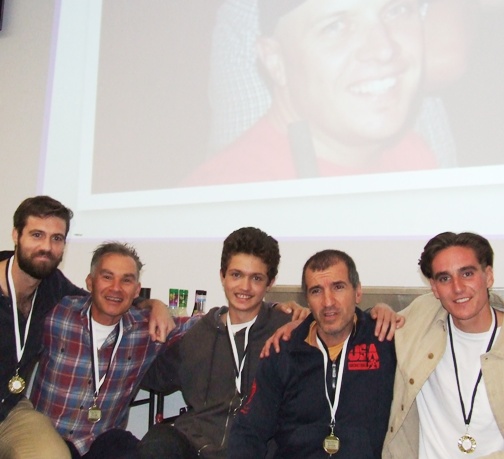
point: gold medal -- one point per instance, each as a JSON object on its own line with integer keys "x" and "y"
{"x": 467, "y": 444}
{"x": 17, "y": 384}
{"x": 331, "y": 444}
{"x": 94, "y": 414}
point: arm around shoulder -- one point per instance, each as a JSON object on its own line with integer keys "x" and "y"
{"x": 163, "y": 374}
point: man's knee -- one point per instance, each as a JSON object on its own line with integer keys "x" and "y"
{"x": 28, "y": 434}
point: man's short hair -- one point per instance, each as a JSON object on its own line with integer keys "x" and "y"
{"x": 482, "y": 249}
{"x": 42, "y": 207}
{"x": 327, "y": 258}
{"x": 118, "y": 248}
{"x": 270, "y": 12}
{"x": 252, "y": 241}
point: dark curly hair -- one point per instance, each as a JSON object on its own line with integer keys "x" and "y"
{"x": 252, "y": 241}
{"x": 479, "y": 244}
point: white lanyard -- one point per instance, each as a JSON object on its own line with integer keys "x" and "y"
{"x": 12, "y": 291}
{"x": 238, "y": 365}
{"x": 98, "y": 382}
{"x": 333, "y": 406}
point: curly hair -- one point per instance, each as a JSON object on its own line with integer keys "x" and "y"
{"x": 252, "y": 241}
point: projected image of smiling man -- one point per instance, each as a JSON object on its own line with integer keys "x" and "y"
{"x": 345, "y": 78}
{"x": 355, "y": 68}
{"x": 351, "y": 68}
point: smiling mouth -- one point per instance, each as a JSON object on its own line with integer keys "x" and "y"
{"x": 376, "y": 87}
{"x": 242, "y": 296}
{"x": 461, "y": 300}
{"x": 114, "y": 299}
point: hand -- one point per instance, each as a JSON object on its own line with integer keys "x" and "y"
{"x": 160, "y": 321}
{"x": 387, "y": 321}
{"x": 291, "y": 307}
{"x": 283, "y": 333}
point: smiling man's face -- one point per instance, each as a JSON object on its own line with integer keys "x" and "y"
{"x": 114, "y": 285}
{"x": 461, "y": 284}
{"x": 351, "y": 68}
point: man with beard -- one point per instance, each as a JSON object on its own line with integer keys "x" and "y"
{"x": 30, "y": 286}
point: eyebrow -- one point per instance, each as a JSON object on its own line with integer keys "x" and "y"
{"x": 234, "y": 270}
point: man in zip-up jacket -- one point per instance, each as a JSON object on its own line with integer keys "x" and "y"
{"x": 329, "y": 390}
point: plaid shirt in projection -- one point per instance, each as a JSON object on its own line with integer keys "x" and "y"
{"x": 63, "y": 388}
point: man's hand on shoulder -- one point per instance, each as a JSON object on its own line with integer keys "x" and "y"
{"x": 282, "y": 334}
{"x": 160, "y": 321}
{"x": 387, "y": 321}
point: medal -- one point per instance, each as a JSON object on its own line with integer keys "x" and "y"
{"x": 331, "y": 444}
{"x": 467, "y": 444}
{"x": 16, "y": 384}
{"x": 94, "y": 414}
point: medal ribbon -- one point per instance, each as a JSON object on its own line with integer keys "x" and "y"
{"x": 238, "y": 365}
{"x": 97, "y": 381}
{"x": 467, "y": 418}
{"x": 17, "y": 333}
{"x": 333, "y": 406}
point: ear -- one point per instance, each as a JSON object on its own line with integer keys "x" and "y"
{"x": 308, "y": 304}
{"x": 490, "y": 276}
{"x": 270, "y": 54}
{"x": 272, "y": 282}
{"x": 15, "y": 236}
{"x": 89, "y": 282}
{"x": 434, "y": 288}
{"x": 139, "y": 286}
{"x": 221, "y": 276}
{"x": 358, "y": 294}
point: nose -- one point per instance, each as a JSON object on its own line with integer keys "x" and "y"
{"x": 245, "y": 283}
{"x": 457, "y": 284}
{"x": 378, "y": 45}
{"x": 115, "y": 284}
{"x": 45, "y": 244}
{"x": 328, "y": 298}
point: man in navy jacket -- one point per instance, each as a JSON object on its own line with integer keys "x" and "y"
{"x": 329, "y": 390}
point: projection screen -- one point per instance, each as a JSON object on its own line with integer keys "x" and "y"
{"x": 324, "y": 118}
